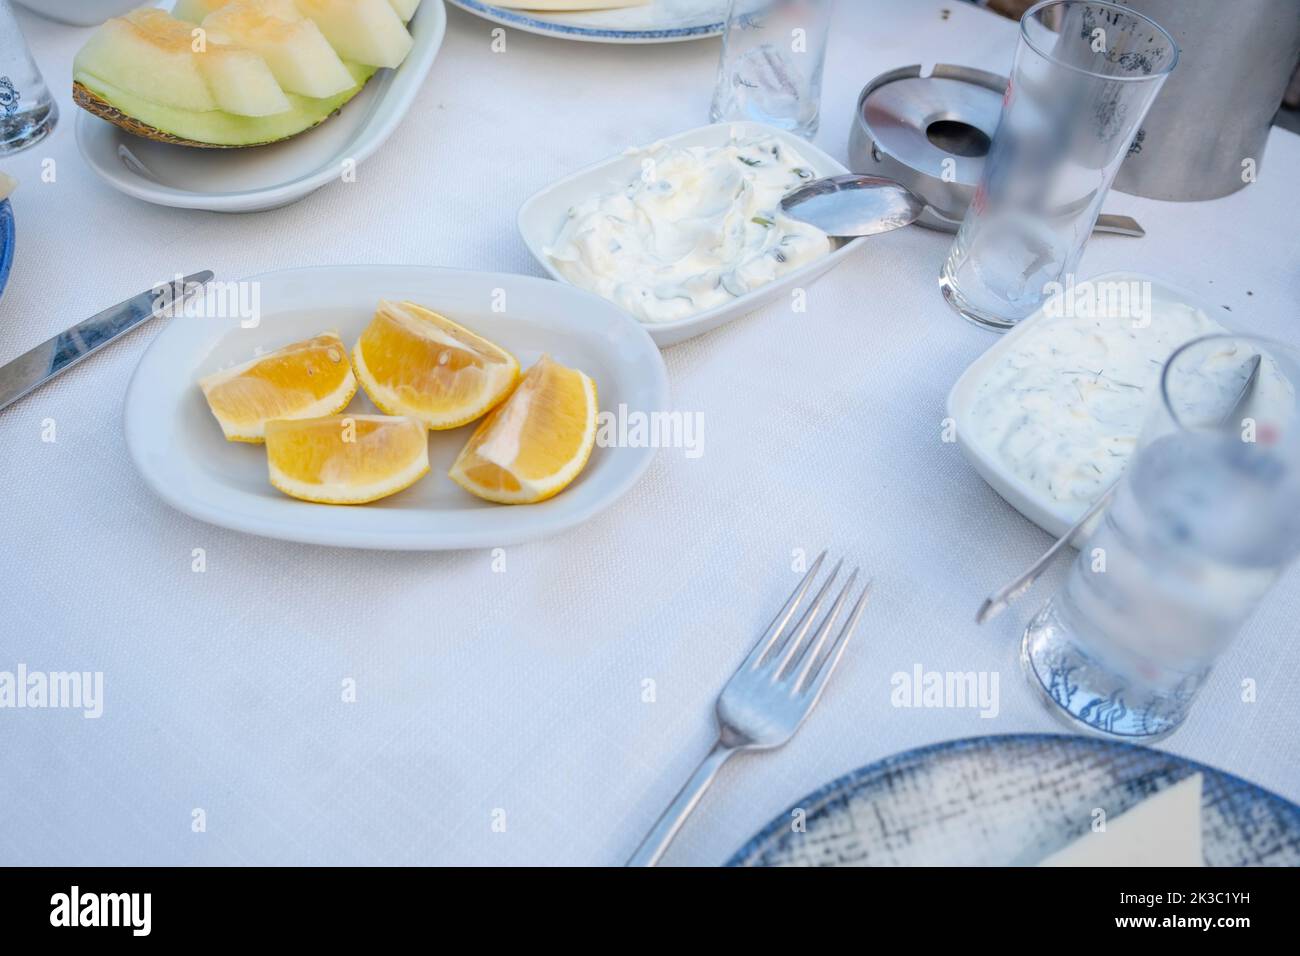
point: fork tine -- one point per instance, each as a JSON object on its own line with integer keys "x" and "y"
{"x": 806, "y": 660}
{"x": 778, "y": 625}
{"x": 820, "y": 674}
{"x": 791, "y": 652}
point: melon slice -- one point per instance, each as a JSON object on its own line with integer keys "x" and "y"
{"x": 363, "y": 31}
{"x": 151, "y": 54}
{"x": 240, "y": 81}
{"x": 297, "y": 53}
{"x": 405, "y": 8}
{"x": 226, "y": 73}
{"x": 158, "y": 63}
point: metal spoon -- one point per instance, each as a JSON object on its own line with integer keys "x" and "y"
{"x": 1002, "y": 599}
{"x": 847, "y": 206}
{"x": 854, "y": 205}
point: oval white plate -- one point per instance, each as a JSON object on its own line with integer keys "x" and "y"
{"x": 265, "y": 177}
{"x": 541, "y": 217}
{"x": 179, "y": 449}
{"x": 1038, "y": 507}
{"x": 662, "y": 21}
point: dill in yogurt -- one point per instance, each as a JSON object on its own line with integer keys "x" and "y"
{"x": 699, "y": 227}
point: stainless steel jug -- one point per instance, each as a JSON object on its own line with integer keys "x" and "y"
{"x": 1205, "y": 135}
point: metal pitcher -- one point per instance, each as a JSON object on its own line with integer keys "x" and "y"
{"x": 1204, "y": 136}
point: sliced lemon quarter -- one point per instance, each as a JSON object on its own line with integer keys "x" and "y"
{"x": 307, "y": 379}
{"x": 346, "y": 459}
{"x": 535, "y": 443}
{"x": 412, "y": 361}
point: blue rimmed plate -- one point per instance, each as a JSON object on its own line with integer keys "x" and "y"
{"x": 1011, "y": 801}
{"x": 661, "y": 21}
{"x": 6, "y": 242}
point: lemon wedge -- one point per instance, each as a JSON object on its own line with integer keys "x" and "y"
{"x": 304, "y": 380}
{"x": 415, "y": 362}
{"x": 346, "y": 459}
{"x": 536, "y": 442}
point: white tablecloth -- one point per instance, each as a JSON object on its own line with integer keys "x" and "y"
{"x": 484, "y": 697}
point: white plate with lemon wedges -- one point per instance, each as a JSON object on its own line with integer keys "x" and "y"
{"x": 285, "y": 96}
{"x": 607, "y": 21}
{"x": 393, "y": 407}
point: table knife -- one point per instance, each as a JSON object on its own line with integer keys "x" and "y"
{"x": 37, "y": 366}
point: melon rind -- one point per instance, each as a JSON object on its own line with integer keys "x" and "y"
{"x": 213, "y": 129}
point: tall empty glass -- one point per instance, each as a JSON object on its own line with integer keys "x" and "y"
{"x": 1085, "y": 73}
{"x": 27, "y": 111}
{"x": 773, "y": 53}
{"x": 1205, "y": 520}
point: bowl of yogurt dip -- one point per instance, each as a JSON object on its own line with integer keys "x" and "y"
{"x": 686, "y": 234}
{"x": 1050, "y": 415}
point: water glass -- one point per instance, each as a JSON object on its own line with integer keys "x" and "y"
{"x": 1205, "y": 520}
{"x": 27, "y": 111}
{"x": 773, "y": 54}
{"x": 1084, "y": 75}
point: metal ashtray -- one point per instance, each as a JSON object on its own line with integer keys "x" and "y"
{"x": 930, "y": 133}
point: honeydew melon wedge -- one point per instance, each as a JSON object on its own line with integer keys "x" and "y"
{"x": 151, "y": 54}
{"x": 405, "y": 8}
{"x": 228, "y": 73}
{"x": 297, "y": 53}
{"x": 212, "y": 128}
{"x": 363, "y": 31}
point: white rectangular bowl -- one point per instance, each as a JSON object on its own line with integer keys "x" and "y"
{"x": 542, "y": 216}
{"x": 1038, "y": 507}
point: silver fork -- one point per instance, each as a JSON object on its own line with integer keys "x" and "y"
{"x": 770, "y": 695}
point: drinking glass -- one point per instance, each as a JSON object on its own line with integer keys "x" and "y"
{"x": 27, "y": 111}
{"x": 1084, "y": 75}
{"x": 773, "y": 54}
{"x": 1206, "y": 518}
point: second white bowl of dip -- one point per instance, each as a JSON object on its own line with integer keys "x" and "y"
{"x": 542, "y": 217}
{"x": 1051, "y": 514}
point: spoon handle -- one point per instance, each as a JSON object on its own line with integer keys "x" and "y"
{"x": 1119, "y": 225}
{"x": 1002, "y": 599}
{"x": 999, "y": 601}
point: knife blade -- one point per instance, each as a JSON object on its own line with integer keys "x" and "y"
{"x": 53, "y": 356}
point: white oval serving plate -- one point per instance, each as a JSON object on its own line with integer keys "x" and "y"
{"x": 661, "y": 21}
{"x": 255, "y": 178}
{"x": 179, "y": 450}
{"x": 1046, "y": 512}
{"x": 541, "y": 217}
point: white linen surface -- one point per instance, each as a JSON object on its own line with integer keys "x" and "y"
{"x": 518, "y": 696}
